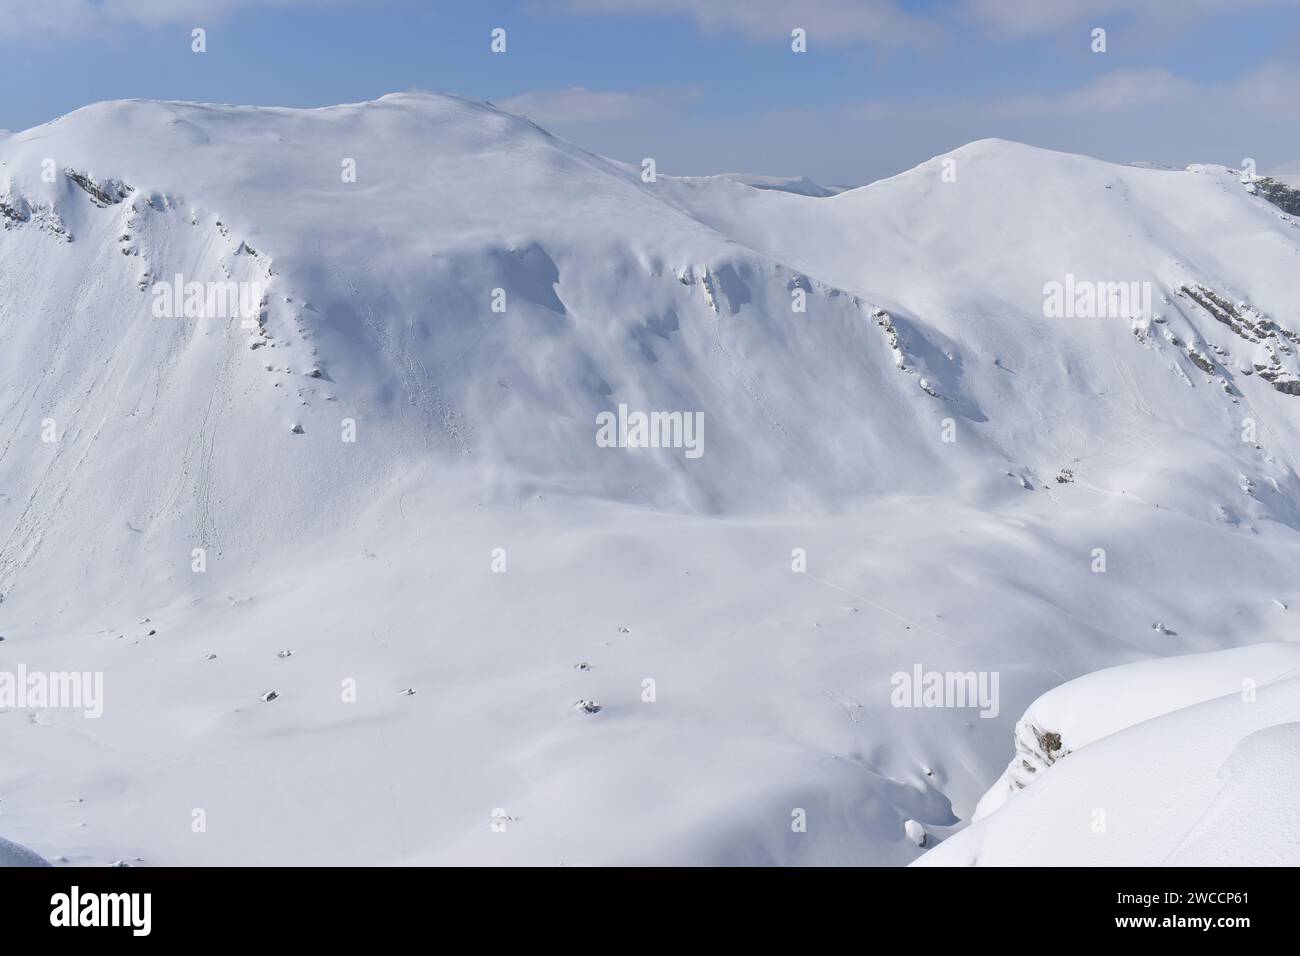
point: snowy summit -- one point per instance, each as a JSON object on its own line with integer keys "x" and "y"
{"x": 605, "y": 511}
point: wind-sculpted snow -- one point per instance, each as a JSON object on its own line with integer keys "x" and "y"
{"x": 1188, "y": 761}
{"x": 250, "y": 402}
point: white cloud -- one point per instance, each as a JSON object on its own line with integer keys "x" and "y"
{"x": 891, "y": 23}
{"x": 577, "y": 104}
{"x": 1115, "y": 92}
{"x": 1120, "y": 91}
{"x": 838, "y": 22}
{"x": 1021, "y": 18}
{"x": 37, "y": 19}
{"x": 888, "y": 23}
{"x": 1273, "y": 89}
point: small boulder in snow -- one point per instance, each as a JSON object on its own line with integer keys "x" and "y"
{"x": 915, "y": 832}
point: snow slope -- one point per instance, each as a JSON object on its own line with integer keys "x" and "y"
{"x": 800, "y": 185}
{"x": 947, "y": 458}
{"x": 1187, "y": 761}
{"x": 11, "y": 854}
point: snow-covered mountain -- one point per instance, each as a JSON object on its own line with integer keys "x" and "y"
{"x": 801, "y": 185}
{"x": 381, "y": 499}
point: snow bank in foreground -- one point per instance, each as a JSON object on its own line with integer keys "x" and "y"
{"x": 1184, "y": 761}
{"x": 11, "y": 854}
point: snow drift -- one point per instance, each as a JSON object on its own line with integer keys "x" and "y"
{"x": 1187, "y": 761}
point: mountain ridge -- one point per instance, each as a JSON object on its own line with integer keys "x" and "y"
{"x": 906, "y": 459}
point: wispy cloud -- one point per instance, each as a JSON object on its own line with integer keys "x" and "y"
{"x": 1273, "y": 88}
{"x": 884, "y": 23}
{"x": 892, "y": 23}
{"x": 1114, "y": 92}
{"x": 1016, "y": 19}
{"x": 577, "y": 105}
{"x": 37, "y": 19}
{"x": 833, "y": 22}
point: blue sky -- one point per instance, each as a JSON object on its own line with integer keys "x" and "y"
{"x": 713, "y": 86}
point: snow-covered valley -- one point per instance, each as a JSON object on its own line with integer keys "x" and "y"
{"x": 365, "y": 585}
